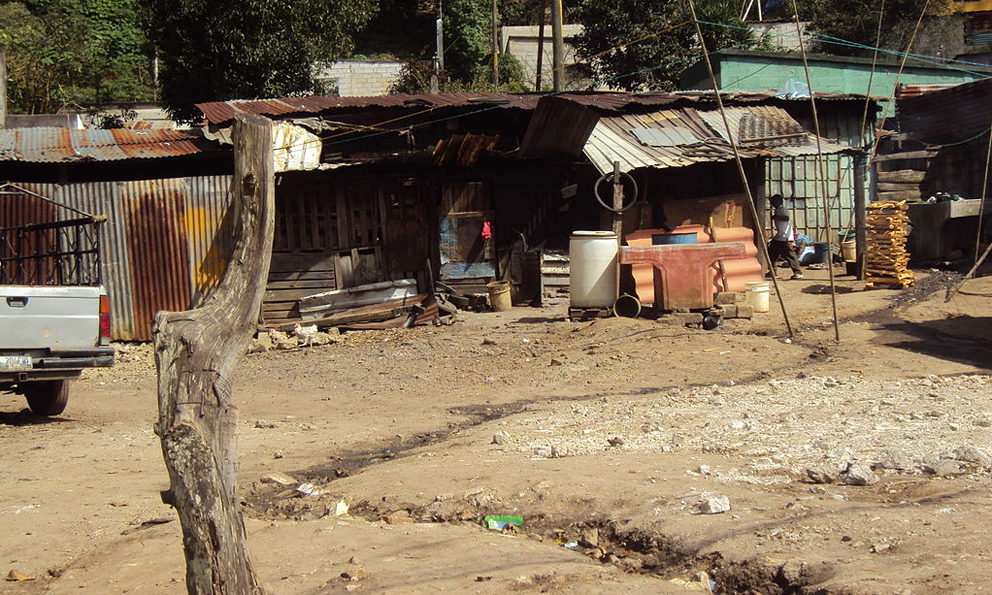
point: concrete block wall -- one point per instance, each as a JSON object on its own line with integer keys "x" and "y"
{"x": 523, "y": 41}
{"x": 360, "y": 78}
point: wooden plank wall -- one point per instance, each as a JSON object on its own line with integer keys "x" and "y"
{"x": 332, "y": 234}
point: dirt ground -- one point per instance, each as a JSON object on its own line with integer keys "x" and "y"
{"x": 608, "y": 437}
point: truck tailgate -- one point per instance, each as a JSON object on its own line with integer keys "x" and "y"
{"x": 38, "y": 317}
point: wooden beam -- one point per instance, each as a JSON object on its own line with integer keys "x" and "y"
{"x": 860, "y": 227}
{"x": 904, "y": 176}
{"x": 195, "y": 353}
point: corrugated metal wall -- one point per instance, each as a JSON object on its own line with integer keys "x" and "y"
{"x": 796, "y": 177}
{"x": 164, "y": 243}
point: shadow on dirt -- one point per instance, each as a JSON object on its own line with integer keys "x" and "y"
{"x": 539, "y": 320}
{"x": 954, "y": 339}
{"x": 24, "y": 417}
{"x": 824, "y": 289}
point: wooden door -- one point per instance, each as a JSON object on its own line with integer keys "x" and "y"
{"x": 465, "y": 251}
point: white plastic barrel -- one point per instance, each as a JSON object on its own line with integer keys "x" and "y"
{"x": 757, "y": 294}
{"x": 594, "y": 270}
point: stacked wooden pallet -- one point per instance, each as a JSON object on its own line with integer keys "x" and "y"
{"x": 886, "y": 263}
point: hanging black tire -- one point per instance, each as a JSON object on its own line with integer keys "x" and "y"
{"x": 48, "y": 397}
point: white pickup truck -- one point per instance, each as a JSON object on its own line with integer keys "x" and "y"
{"x": 54, "y": 313}
{"x": 50, "y": 334}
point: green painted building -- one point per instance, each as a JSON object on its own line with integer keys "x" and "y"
{"x": 796, "y": 178}
{"x": 741, "y": 70}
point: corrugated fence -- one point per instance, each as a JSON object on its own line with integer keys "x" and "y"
{"x": 164, "y": 245}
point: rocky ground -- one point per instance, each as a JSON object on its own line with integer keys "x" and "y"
{"x": 641, "y": 456}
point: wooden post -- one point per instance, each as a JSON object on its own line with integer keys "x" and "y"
{"x": 558, "y": 47}
{"x": 761, "y": 202}
{"x": 617, "y": 202}
{"x": 496, "y": 44}
{"x": 3, "y": 90}
{"x": 540, "y": 44}
{"x": 195, "y": 353}
{"x": 860, "y": 213}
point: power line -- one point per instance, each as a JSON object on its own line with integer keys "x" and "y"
{"x": 740, "y": 165}
{"x": 822, "y": 173}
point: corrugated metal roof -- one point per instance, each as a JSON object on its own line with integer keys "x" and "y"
{"x": 218, "y": 112}
{"x": 693, "y": 136}
{"x": 59, "y": 145}
{"x": 903, "y": 91}
{"x": 948, "y": 115}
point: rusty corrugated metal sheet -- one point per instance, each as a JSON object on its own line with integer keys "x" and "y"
{"x": 686, "y": 136}
{"x": 903, "y": 91}
{"x": 157, "y": 245}
{"x": 165, "y": 242}
{"x": 219, "y": 112}
{"x": 463, "y": 150}
{"x": 209, "y": 223}
{"x": 59, "y": 145}
{"x": 103, "y": 198}
{"x": 16, "y": 210}
{"x": 947, "y": 116}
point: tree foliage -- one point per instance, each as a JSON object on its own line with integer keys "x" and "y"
{"x": 857, "y": 21}
{"x": 656, "y": 62}
{"x": 73, "y": 51}
{"x": 245, "y": 49}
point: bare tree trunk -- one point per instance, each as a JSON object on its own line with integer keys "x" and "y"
{"x": 195, "y": 352}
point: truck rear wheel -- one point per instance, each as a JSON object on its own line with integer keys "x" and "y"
{"x": 48, "y": 397}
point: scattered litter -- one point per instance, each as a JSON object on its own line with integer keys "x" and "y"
{"x": 355, "y": 573}
{"x": 571, "y": 545}
{"x": 341, "y": 508}
{"x": 401, "y": 517}
{"x": 17, "y": 575}
{"x": 500, "y": 522}
{"x": 279, "y": 479}
{"x": 308, "y": 489}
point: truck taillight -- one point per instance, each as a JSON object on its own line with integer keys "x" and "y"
{"x": 104, "y": 320}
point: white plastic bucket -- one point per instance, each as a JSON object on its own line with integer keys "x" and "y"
{"x": 757, "y": 293}
{"x": 594, "y": 270}
{"x": 849, "y": 250}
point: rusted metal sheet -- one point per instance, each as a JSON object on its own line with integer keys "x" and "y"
{"x": 157, "y": 245}
{"x": 167, "y": 237}
{"x": 209, "y": 223}
{"x": 463, "y": 150}
{"x": 61, "y": 145}
{"x": 905, "y": 91}
{"x": 686, "y": 136}
{"x": 17, "y": 210}
{"x": 219, "y": 112}
{"x": 947, "y": 116}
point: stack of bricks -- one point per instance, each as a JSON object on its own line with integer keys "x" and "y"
{"x": 887, "y": 262}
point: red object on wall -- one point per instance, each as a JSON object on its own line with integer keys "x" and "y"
{"x": 487, "y": 230}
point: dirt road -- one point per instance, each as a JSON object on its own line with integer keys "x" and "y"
{"x": 607, "y": 437}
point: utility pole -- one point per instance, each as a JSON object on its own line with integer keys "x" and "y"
{"x": 540, "y": 43}
{"x": 3, "y": 90}
{"x": 439, "y": 49}
{"x": 496, "y": 47}
{"x": 558, "y": 54}
{"x": 617, "y": 201}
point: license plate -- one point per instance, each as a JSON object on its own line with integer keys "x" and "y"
{"x": 13, "y": 363}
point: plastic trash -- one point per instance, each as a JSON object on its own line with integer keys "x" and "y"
{"x": 793, "y": 89}
{"x": 499, "y": 522}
